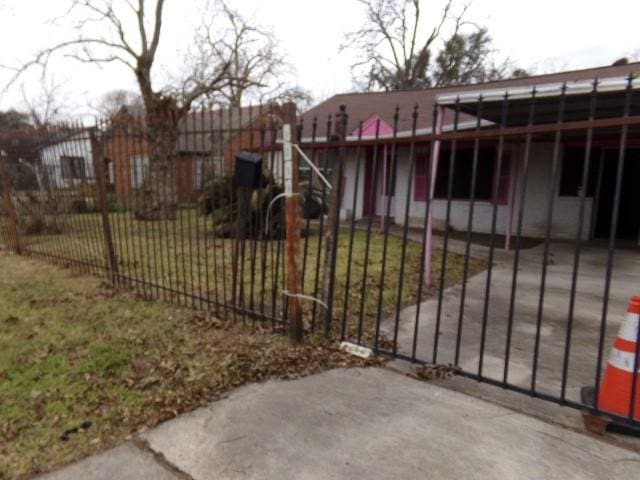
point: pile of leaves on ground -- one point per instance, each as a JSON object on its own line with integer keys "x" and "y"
{"x": 83, "y": 368}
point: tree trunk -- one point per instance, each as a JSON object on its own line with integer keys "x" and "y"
{"x": 157, "y": 198}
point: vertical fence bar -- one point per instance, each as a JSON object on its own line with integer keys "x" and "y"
{"x": 555, "y": 172}
{"x": 578, "y": 241}
{"x": 371, "y": 213}
{"x": 472, "y": 202}
{"x": 321, "y": 234}
{"x": 611, "y": 247}
{"x": 351, "y": 235}
{"x": 334, "y": 221}
{"x": 405, "y": 229}
{"x": 436, "y": 120}
{"x": 97, "y": 153}
{"x": 10, "y": 207}
{"x": 445, "y": 241}
{"x": 387, "y": 222}
{"x": 516, "y": 257}
{"x": 492, "y": 247}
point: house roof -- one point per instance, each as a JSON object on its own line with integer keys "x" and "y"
{"x": 361, "y": 106}
{"x": 205, "y": 131}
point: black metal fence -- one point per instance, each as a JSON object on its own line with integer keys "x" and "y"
{"x": 499, "y": 235}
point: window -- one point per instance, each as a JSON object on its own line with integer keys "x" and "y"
{"x": 72, "y": 167}
{"x": 572, "y": 170}
{"x": 421, "y": 176}
{"x": 199, "y": 173}
{"x": 462, "y": 175}
{"x": 139, "y": 170}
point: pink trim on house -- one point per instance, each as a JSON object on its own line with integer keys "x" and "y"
{"x": 370, "y": 126}
{"x": 384, "y": 188}
{"x": 375, "y": 127}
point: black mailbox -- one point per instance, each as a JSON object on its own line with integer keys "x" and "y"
{"x": 248, "y": 170}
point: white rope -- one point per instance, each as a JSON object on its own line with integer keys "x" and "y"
{"x": 313, "y": 166}
{"x": 310, "y": 163}
{"x": 305, "y": 297}
{"x": 273, "y": 201}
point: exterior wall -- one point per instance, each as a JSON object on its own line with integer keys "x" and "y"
{"x": 120, "y": 151}
{"x": 350, "y": 166}
{"x": 565, "y": 213}
{"x": 50, "y": 160}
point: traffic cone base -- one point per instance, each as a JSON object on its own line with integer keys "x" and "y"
{"x": 616, "y": 391}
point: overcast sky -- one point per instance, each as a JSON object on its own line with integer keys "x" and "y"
{"x": 541, "y": 35}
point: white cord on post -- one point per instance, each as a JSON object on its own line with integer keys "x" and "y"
{"x": 310, "y": 163}
{"x": 273, "y": 201}
{"x": 313, "y": 166}
{"x": 305, "y": 297}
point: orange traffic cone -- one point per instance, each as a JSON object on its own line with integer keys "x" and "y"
{"x": 617, "y": 387}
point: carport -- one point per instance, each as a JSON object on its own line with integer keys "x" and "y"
{"x": 592, "y": 120}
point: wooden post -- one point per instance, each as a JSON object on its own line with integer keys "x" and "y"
{"x": 14, "y": 232}
{"x": 97, "y": 154}
{"x": 293, "y": 223}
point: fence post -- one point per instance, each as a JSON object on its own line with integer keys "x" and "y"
{"x": 333, "y": 222}
{"x": 97, "y": 154}
{"x": 9, "y": 206}
{"x": 293, "y": 216}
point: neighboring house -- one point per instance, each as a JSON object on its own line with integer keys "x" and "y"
{"x": 376, "y": 112}
{"x": 207, "y": 144}
{"x": 54, "y": 157}
{"x": 67, "y": 160}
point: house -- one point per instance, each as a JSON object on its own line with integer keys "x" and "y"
{"x": 207, "y": 143}
{"x": 49, "y": 157}
{"x": 66, "y": 159}
{"x": 382, "y": 142}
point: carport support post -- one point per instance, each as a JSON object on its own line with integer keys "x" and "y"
{"x": 435, "y": 155}
{"x": 292, "y": 223}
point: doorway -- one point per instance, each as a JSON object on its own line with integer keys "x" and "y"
{"x": 628, "y": 227}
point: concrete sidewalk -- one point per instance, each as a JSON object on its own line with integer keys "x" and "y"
{"x": 357, "y": 423}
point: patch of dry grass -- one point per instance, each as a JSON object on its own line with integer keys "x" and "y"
{"x": 183, "y": 256}
{"x": 74, "y": 351}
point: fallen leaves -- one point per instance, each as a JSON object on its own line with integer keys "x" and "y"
{"x": 126, "y": 365}
{"x": 433, "y": 371}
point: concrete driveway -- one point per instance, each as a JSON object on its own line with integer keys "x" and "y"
{"x": 553, "y": 331}
{"x": 355, "y": 423}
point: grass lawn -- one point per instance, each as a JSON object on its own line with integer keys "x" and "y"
{"x": 73, "y": 351}
{"x": 179, "y": 259}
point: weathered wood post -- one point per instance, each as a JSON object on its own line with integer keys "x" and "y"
{"x": 333, "y": 221}
{"x": 12, "y": 217}
{"x": 292, "y": 222}
{"x": 97, "y": 154}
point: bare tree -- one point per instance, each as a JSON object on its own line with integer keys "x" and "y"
{"x": 469, "y": 58}
{"x": 101, "y": 37}
{"x": 114, "y": 101}
{"x": 47, "y": 104}
{"x": 257, "y": 67}
{"x": 395, "y": 53}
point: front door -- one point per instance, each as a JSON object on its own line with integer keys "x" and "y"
{"x": 369, "y": 201}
